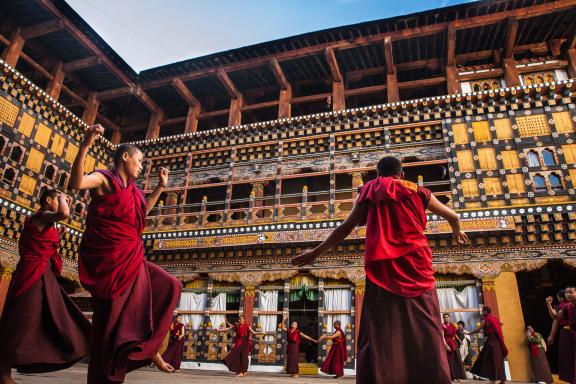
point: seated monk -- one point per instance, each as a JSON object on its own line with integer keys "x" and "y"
{"x": 133, "y": 300}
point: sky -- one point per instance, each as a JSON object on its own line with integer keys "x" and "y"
{"x": 150, "y": 33}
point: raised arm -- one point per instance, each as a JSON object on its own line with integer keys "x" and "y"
{"x": 47, "y": 217}
{"x": 338, "y": 235}
{"x": 162, "y": 182}
{"x": 436, "y": 207}
{"x": 255, "y": 333}
{"x": 284, "y": 326}
{"x": 479, "y": 328}
{"x": 555, "y": 315}
{"x": 78, "y": 179}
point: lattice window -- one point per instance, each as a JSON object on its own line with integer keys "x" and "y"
{"x": 516, "y": 183}
{"x": 465, "y": 161}
{"x": 555, "y": 181}
{"x": 415, "y": 134}
{"x": 263, "y": 152}
{"x": 50, "y": 172}
{"x": 548, "y": 157}
{"x": 16, "y": 153}
{"x": 510, "y": 159}
{"x": 539, "y": 182}
{"x": 302, "y": 147}
{"x": 8, "y": 112}
{"x": 360, "y": 140}
{"x": 460, "y": 132}
{"x": 481, "y": 131}
{"x": 35, "y": 160}
{"x": 569, "y": 153}
{"x": 71, "y": 152}
{"x": 27, "y": 184}
{"x": 210, "y": 159}
{"x": 487, "y": 158}
{"x": 563, "y": 122}
{"x": 485, "y": 85}
{"x": 470, "y": 188}
{"x": 539, "y": 77}
{"x": 533, "y": 159}
{"x": 26, "y": 124}
{"x": 89, "y": 164}
{"x": 42, "y": 135}
{"x": 492, "y": 186}
{"x": 9, "y": 175}
{"x": 63, "y": 180}
{"x": 504, "y": 129}
{"x": 531, "y": 126}
{"x": 58, "y": 145}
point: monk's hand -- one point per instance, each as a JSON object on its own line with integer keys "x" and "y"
{"x": 448, "y": 348}
{"x": 460, "y": 237}
{"x": 92, "y": 133}
{"x": 306, "y": 257}
{"x": 550, "y": 340}
{"x": 163, "y": 177}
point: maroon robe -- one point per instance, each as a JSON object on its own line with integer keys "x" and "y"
{"x": 400, "y": 338}
{"x": 41, "y": 329}
{"x": 292, "y": 351}
{"x": 565, "y": 346}
{"x": 238, "y": 358}
{"x": 569, "y": 313}
{"x": 457, "y": 371}
{"x": 540, "y": 365}
{"x": 490, "y": 361}
{"x": 133, "y": 299}
{"x": 334, "y": 363}
{"x": 173, "y": 354}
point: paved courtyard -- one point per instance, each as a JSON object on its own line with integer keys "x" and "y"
{"x": 77, "y": 375}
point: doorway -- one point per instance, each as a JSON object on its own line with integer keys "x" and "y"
{"x": 304, "y": 310}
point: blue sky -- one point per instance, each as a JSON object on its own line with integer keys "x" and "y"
{"x": 149, "y": 33}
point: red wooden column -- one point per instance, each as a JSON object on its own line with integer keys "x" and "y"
{"x": 91, "y": 111}
{"x": 5, "y": 277}
{"x": 489, "y": 293}
{"x": 249, "y": 304}
{"x": 12, "y": 53}
{"x": 116, "y": 137}
{"x": 359, "y": 299}
{"x": 57, "y": 81}
{"x": 391, "y": 80}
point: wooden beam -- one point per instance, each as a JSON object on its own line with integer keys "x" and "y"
{"x": 42, "y": 29}
{"x": 422, "y": 83}
{"x": 228, "y": 84}
{"x": 510, "y": 72}
{"x": 185, "y": 93}
{"x": 451, "y": 45}
{"x": 116, "y": 137}
{"x": 366, "y": 90}
{"x": 192, "y": 119}
{"x": 389, "y": 55}
{"x": 265, "y": 104}
{"x": 12, "y": 52}
{"x": 510, "y": 40}
{"x": 310, "y": 98}
{"x": 116, "y": 93}
{"x": 147, "y": 101}
{"x": 496, "y": 72}
{"x": 82, "y": 64}
{"x": 391, "y": 80}
{"x": 279, "y": 74}
{"x": 285, "y": 103}
{"x": 108, "y": 123}
{"x": 333, "y": 64}
{"x": 560, "y": 64}
{"x": 91, "y": 111}
{"x": 153, "y": 131}
{"x": 55, "y": 85}
{"x": 208, "y": 115}
{"x": 235, "y": 112}
{"x": 571, "y": 69}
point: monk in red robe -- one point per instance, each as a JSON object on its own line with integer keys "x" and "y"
{"x": 400, "y": 337}
{"x": 173, "y": 354}
{"x": 133, "y": 300}
{"x": 293, "y": 338}
{"x": 568, "y": 313}
{"x": 490, "y": 361}
{"x": 237, "y": 359}
{"x": 41, "y": 329}
{"x": 457, "y": 371}
{"x": 336, "y": 359}
{"x": 561, "y": 330}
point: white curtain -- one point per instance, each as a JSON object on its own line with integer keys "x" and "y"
{"x": 190, "y": 301}
{"x": 268, "y": 301}
{"x": 450, "y": 298}
{"x": 337, "y": 300}
{"x": 218, "y": 303}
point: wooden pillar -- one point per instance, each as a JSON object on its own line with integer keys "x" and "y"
{"x": 391, "y": 80}
{"x": 489, "y": 293}
{"x": 285, "y": 103}
{"x": 338, "y": 96}
{"x": 192, "y": 119}
{"x": 249, "y": 304}
{"x": 513, "y": 327}
{"x": 171, "y": 202}
{"x": 511, "y": 76}
{"x": 359, "y": 293}
{"x": 154, "y": 126}
{"x": 5, "y": 277}
{"x": 235, "y": 114}
{"x": 571, "y": 55}
{"x": 91, "y": 111}
{"x": 55, "y": 85}
{"x": 12, "y": 53}
{"x": 357, "y": 182}
{"x": 116, "y": 137}
{"x": 452, "y": 83}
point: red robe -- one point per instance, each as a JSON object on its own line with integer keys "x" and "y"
{"x": 41, "y": 329}
{"x": 569, "y": 312}
{"x": 565, "y": 346}
{"x": 336, "y": 359}
{"x": 490, "y": 361}
{"x": 133, "y": 300}
{"x": 292, "y": 351}
{"x": 238, "y": 358}
{"x": 454, "y": 359}
{"x": 175, "y": 350}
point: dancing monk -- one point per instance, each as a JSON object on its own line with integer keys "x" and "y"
{"x": 133, "y": 300}
{"x": 400, "y": 308}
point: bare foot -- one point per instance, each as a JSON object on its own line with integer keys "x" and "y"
{"x": 239, "y": 374}
{"x": 162, "y": 365}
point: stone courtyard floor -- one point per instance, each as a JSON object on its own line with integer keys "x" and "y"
{"x": 77, "y": 375}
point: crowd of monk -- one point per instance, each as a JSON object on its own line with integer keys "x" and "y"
{"x": 401, "y": 337}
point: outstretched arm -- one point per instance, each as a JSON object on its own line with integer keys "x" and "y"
{"x": 162, "y": 182}
{"x": 330, "y": 337}
{"x": 308, "y": 337}
{"x": 339, "y": 234}
{"x": 256, "y": 333}
{"x": 478, "y": 329}
{"x": 48, "y": 217}
{"x": 78, "y": 179}
{"x": 551, "y": 311}
{"x": 436, "y": 207}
